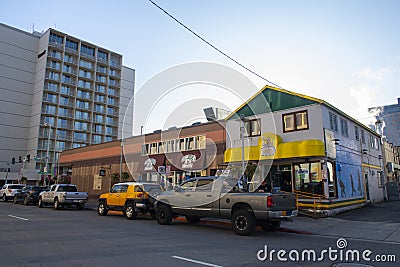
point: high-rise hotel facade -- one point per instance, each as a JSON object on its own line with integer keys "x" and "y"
{"x": 57, "y": 92}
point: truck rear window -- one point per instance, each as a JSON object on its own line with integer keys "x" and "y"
{"x": 67, "y": 189}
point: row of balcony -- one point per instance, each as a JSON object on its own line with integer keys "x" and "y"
{"x": 112, "y": 62}
{"x": 73, "y": 82}
{"x": 70, "y": 103}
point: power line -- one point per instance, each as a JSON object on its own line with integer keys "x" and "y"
{"x": 213, "y": 46}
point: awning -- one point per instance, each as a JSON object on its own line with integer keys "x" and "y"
{"x": 296, "y": 149}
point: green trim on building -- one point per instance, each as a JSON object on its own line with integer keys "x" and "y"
{"x": 270, "y": 100}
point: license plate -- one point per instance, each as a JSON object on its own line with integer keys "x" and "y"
{"x": 77, "y": 201}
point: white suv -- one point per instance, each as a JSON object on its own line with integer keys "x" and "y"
{"x": 8, "y": 191}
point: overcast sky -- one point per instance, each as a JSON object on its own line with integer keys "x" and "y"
{"x": 344, "y": 52}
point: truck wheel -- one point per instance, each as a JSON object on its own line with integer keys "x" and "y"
{"x": 164, "y": 214}
{"x": 40, "y": 203}
{"x": 243, "y": 222}
{"x": 270, "y": 226}
{"x": 130, "y": 213}
{"x": 56, "y": 204}
{"x": 192, "y": 219}
{"x": 26, "y": 201}
{"x": 102, "y": 209}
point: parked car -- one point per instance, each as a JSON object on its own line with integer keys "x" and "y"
{"x": 217, "y": 197}
{"x": 131, "y": 198}
{"x": 29, "y": 194}
{"x": 8, "y": 191}
{"x": 61, "y": 195}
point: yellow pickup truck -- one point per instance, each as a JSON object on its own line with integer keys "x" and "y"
{"x": 131, "y": 198}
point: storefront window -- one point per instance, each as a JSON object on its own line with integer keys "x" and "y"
{"x": 308, "y": 177}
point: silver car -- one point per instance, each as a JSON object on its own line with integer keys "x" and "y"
{"x": 8, "y": 191}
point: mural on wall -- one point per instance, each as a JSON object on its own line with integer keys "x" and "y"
{"x": 348, "y": 174}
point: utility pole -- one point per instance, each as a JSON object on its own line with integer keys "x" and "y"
{"x": 8, "y": 169}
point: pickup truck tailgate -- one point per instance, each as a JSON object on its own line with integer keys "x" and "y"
{"x": 284, "y": 201}
{"x": 76, "y": 195}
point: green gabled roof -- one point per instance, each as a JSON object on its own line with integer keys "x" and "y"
{"x": 271, "y": 99}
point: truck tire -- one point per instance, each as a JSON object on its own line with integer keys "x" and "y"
{"x": 102, "y": 209}
{"x": 56, "y": 204}
{"x": 243, "y": 222}
{"x": 192, "y": 219}
{"x": 164, "y": 214}
{"x": 270, "y": 226}
{"x": 130, "y": 213}
{"x": 40, "y": 204}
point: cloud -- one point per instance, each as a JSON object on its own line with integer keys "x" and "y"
{"x": 374, "y": 75}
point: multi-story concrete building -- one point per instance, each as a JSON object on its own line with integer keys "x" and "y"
{"x": 389, "y": 118}
{"x": 58, "y": 92}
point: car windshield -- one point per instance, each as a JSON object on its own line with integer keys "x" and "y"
{"x": 17, "y": 186}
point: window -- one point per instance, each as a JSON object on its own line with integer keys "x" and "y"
{"x": 333, "y": 122}
{"x": 344, "y": 128}
{"x": 71, "y": 45}
{"x": 362, "y": 136}
{"x": 201, "y": 142}
{"x": 190, "y": 143}
{"x": 252, "y": 128}
{"x": 356, "y": 133}
{"x": 189, "y": 186}
{"x": 295, "y": 121}
{"x": 171, "y": 146}
{"x": 153, "y": 148}
{"x": 204, "y": 185}
{"x": 145, "y": 149}
{"x": 87, "y": 50}
{"x": 55, "y": 38}
{"x": 308, "y": 177}
{"x": 161, "y": 147}
{"x": 381, "y": 179}
{"x": 102, "y": 55}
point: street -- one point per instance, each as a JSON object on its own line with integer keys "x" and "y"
{"x": 31, "y": 236}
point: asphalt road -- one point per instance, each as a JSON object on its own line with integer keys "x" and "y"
{"x": 31, "y": 236}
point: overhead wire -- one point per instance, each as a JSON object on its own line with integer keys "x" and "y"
{"x": 211, "y": 45}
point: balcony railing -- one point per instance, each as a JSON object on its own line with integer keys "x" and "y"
{"x": 98, "y": 120}
{"x": 113, "y": 133}
{"x": 66, "y": 92}
{"x": 71, "y": 50}
{"x": 71, "y": 60}
{"x": 81, "y": 128}
{"x": 56, "y": 44}
{"x": 99, "y": 70}
{"x": 82, "y": 106}
{"x": 53, "y": 66}
{"x": 87, "y": 56}
{"x": 80, "y": 139}
{"x": 69, "y": 81}
{"x": 114, "y": 83}
{"x": 112, "y": 103}
{"x": 115, "y": 74}
{"x": 81, "y": 117}
{"x": 115, "y": 64}
{"x": 70, "y": 71}
{"x": 98, "y": 131}
{"x": 65, "y": 114}
{"x": 55, "y": 55}
{"x": 100, "y": 90}
{"x": 48, "y": 111}
{"x": 50, "y": 88}
{"x": 67, "y": 103}
{"x": 84, "y": 96}
{"x": 50, "y": 99}
{"x": 52, "y": 77}
{"x": 113, "y": 123}
{"x": 102, "y": 60}
{"x": 64, "y": 138}
{"x": 64, "y": 126}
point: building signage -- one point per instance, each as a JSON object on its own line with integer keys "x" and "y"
{"x": 330, "y": 145}
{"x": 267, "y": 144}
{"x": 149, "y": 164}
{"x": 161, "y": 169}
{"x": 97, "y": 181}
{"x": 188, "y": 161}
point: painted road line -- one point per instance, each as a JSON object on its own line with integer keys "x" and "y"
{"x": 24, "y": 219}
{"x": 194, "y": 261}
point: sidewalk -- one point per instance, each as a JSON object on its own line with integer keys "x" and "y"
{"x": 380, "y": 222}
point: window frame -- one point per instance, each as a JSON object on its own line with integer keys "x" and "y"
{"x": 250, "y": 123}
{"x": 295, "y": 126}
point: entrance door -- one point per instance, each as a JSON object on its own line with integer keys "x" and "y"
{"x": 366, "y": 185}
{"x": 286, "y": 182}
